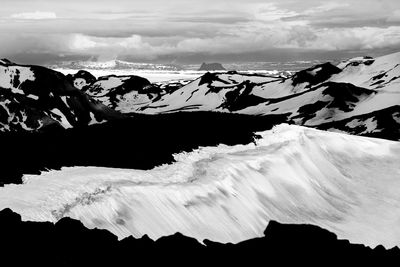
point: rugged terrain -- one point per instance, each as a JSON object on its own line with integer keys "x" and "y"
{"x": 359, "y": 96}
{"x": 196, "y": 157}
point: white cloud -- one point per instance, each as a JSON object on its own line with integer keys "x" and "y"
{"x": 37, "y": 15}
{"x": 154, "y": 30}
{"x": 270, "y": 12}
{"x": 325, "y": 7}
{"x": 356, "y": 38}
{"x": 249, "y": 38}
{"x": 112, "y": 47}
{"x": 82, "y": 42}
{"x": 395, "y": 16}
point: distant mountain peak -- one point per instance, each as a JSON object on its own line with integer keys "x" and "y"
{"x": 211, "y": 66}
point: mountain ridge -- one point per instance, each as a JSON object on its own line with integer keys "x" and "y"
{"x": 33, "y": 97}
{"x": 235, "y": 92}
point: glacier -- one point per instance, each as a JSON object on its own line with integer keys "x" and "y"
{"x": 349, "y": 185}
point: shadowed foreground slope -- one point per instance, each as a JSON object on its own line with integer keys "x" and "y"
{"x": 141, "y": 142}
{"x": 69, "y": 243}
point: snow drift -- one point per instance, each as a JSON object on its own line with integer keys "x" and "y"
{"x": 347, "y": 184}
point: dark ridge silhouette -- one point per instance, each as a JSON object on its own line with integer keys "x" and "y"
{"x": 211, "y": 66}
{"x": 315, "y": 75}
{"x": 241, "y": 97}
{"x": 345, "y": 95}
{"x": 139, "y": 142}
{"x": 69, "y": 243}
{"x": 82, "y": 74}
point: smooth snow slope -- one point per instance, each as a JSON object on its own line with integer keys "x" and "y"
{"x": 347, "y": 184}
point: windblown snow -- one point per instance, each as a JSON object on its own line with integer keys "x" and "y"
{"x": 347, "y": 184}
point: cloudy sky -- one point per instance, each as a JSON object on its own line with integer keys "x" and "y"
{"x": 41, "y": 31}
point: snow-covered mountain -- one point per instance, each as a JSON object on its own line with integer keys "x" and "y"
{"x": 193, "y": 167}
{"x": 322, "y": 95}
{"x": 358, "y": 96}
{"x": 292, "y": 174}
{"x": 34, "y": 97}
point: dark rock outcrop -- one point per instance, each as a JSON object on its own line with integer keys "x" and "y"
{"x": 33, "y": 98}
{"x": 211, "y": 66}
{"x": 383, "y": 123}
{"x": 315, "y": 75}
{"x": 82, "y": 79}
{"x": 111, "y": 88}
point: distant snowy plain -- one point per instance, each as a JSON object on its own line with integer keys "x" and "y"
{"x": 154, "y": 76}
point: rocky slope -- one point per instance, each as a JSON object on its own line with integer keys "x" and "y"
{"x": 359, "y": 96}
{"x": 355, "y": 96}
{"x": 321, "y": 96}
{"x": 33, "y": 98}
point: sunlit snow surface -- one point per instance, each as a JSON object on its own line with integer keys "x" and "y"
{"x": 155, "y": 76}
{"x": 347, "y": 184}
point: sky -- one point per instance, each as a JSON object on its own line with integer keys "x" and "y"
{"x": 192, "y": 31}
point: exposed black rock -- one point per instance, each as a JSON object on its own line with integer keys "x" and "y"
{"x": 170, "y": 86}
{"x": 315, "y": 75}
{"x": 383, "y": 123}
{"x": 82, "y": 79}
{"x": 309, "y": 111}
{"x": 45, "y": 98}
{"x": 345, "y": 96}
{"x": 209, "y": 78}
{"x": 341, "y": 97}
{"x": 69, "y": 243}
{"x": 130, "y": 83}
{"x": 380, "y": 80}
{"x": 211, "y": 67}
{"x": 110, "y": 95}
{"x": 241, "y": 97}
